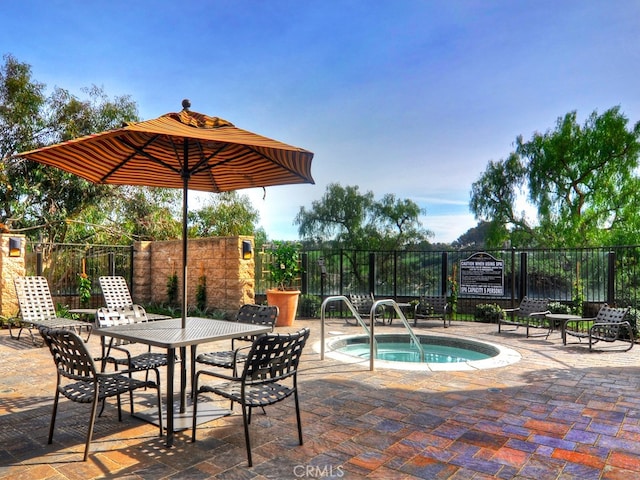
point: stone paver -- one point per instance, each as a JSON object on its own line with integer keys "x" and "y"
{"x": 561, "y": 412}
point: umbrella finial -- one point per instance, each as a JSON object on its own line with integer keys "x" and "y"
{"x": 186, "y": 104}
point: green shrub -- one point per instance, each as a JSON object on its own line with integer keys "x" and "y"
{"x": 488, "y": 312}
{"x": 309, "y": 306}
{"x": 557, "y": 307}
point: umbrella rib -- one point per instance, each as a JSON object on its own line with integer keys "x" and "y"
{"x": 139, "y": 151}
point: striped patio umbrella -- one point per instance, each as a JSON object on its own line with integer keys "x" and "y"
{"x": 187, "y": 150}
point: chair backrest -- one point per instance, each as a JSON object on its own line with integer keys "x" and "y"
{"x": 274, "y": 357}
{"x": 115, "y": 292}
{"x": 70, "y": 354}
{"x": 608, "y": 314}
{"x": 362, "y": 303}
{"x": 258, "y": 314}
{"x": 34, "y": 298}
{"x": 529, "y": 306}
{"x": 432, "y": 305}
{"x": 108, "y": 317}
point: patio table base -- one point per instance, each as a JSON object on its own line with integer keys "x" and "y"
{"x": 207, "y": 411}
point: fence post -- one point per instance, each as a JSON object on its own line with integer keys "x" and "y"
{"x": 611, "y": 278}
{"x": 372, "y": 273}
{"x": 305, "y": 272}
{"x": 111, "y": 263}
{"x": 395, "y": 275}
{"x": 513, "y": 277}
{"x": 443, "y": 273}
{"x": 523, "y": 275}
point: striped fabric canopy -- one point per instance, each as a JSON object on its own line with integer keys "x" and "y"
{"x": 209, "y": 153}
{"x": 185, "y": 150}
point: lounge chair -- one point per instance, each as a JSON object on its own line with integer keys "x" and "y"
{"x": 530, "y": 314}
{"x": 116, "y": 295}
{"x": 432, "y": 308}
{"x": 269, "y": 375}
{"x": 80, "y": 381}
{"x": 363, "y": 305}
{"x": 608, "y": 325}
{"x": 37, "y": 309}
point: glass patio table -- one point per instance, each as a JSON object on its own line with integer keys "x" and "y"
{"x": 170, "y": 335}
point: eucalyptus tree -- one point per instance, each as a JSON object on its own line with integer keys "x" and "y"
{"x": 581, "y": 183}
{"x": 34, "y": 197}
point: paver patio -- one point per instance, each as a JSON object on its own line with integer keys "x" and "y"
{"x": 559, "y": 413}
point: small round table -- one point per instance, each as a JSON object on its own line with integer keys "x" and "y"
{"x": 562, "y": 318}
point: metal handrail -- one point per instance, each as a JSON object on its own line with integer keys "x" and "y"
{"x": 373, "y": 344}
{"x": 392, "y": 303}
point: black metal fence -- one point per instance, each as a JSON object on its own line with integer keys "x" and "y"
{"x": 62, "y": 264}
{"x": 595, "y": 275}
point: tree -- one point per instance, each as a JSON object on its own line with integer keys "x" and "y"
{"x": 34, "y": 197}
{"x": 350, "y": 219}
{"x": 581, "y": 182}
{"x": 226, "y": 214}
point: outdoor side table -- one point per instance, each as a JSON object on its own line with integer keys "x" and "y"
{"x": 562, "y": 318}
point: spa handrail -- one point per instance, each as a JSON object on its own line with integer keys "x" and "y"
{"x": 356, "y": 315}
{"x": 392, "y": 303}
{"x": 370, "y": 332}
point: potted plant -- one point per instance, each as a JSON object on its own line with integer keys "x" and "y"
{"x": 284, "y": 269}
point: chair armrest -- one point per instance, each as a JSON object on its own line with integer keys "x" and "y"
{"x": 511, "y": 310}
{"x": 578, "y": 321}
{"x": 218, "y": 375}
{"x": 539, "y": 313}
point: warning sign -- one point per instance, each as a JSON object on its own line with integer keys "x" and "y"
{"x": 481, "y": 274}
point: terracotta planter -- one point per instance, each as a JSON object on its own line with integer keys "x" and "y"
{"x": 287, "y": 303}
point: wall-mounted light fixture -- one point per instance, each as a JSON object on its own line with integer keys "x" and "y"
{"x": 15, "y": 246}
{"x": 247, "y": 250}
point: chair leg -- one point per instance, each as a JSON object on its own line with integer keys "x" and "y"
{"x": 295, "y": 396}
{"x": 246, "y": 417}
{"x": 92, "y": 421}
{"x": 53, "y": 417}
{"x": 159, "y": 400}
{"x": 194, "y": 406}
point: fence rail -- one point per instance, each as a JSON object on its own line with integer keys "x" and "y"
{"x": 592, "y": 275}
{"x": 595, "y": 275}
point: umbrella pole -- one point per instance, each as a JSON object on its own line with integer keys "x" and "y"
{"x": 185, "y": 191}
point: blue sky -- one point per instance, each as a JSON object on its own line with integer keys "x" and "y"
{"x": 411, "y": 97}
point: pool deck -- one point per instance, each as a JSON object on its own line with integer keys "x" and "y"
{"x": 560, "y": 412}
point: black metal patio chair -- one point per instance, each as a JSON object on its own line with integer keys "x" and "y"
{"x": 609, "y": 325}
{"x": 269, "y": 375}
{"x": 531, "y": 313}
{"x": 79, "y": 380}
{"x": 248, "y": 313}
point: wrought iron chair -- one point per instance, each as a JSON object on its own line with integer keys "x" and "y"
{"x": 79, "y": 380}
{"x": 37, "y": 309}
{"x": 269, "y": 376}
{"x": 249, "y": 313}
{"x": 431, "y": 308}
{"x": 608, "y": 325}
{"x": 106, "y": 317}
{"x": 531, "y": 313}
{"x": 363, "y": 305}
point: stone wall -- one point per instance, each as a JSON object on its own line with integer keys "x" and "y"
{"x": 230, "y": 280}
{"x": 10, "y": 267}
